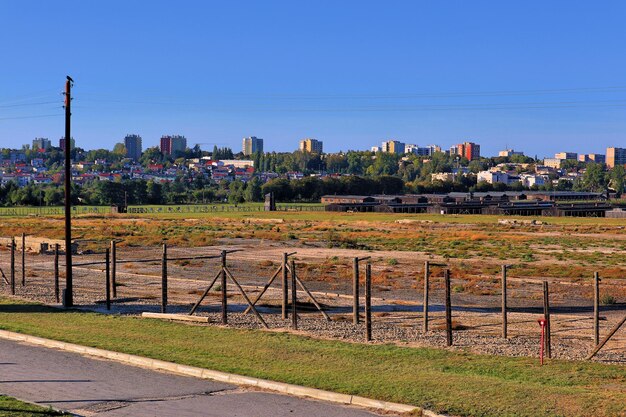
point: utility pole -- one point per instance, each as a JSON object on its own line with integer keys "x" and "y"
{"x": 68, "y": 300}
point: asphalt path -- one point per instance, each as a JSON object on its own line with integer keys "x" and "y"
{"x": 92, "y": 387}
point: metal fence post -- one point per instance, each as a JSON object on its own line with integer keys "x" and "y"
{"x": 546, "y": 313}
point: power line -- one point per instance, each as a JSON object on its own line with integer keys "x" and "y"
{"x": 30, "y": 117}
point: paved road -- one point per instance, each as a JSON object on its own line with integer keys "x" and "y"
{"x": 93, "y": 387}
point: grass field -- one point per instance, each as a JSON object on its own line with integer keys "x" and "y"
{"x": 10, "y": 407}
{"x": 458, "y": 383}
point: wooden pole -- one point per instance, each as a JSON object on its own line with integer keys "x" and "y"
{"x": 265, "y": 287}
{"x": 206, "y": 292}
{"x": 285, "y": 289}
{"x": 596, "y": 308}
{"x": 426, "y": 287}
{"x": 448, "y": 309}
{"x": 114, "y": 268}
{"x": 164, "y": 280}
{"x": 68, "y": 292}
{"x": 243, "y": 294}
{"x": 546, "y": 313}
{"x": 606, "y": 338}
{"x": 294, "y": 297}
{"x": 13, "y": 265}
{"x": 224, "y": 293}
{"x": 368, "y": 302}
{"x": 355, "y": 291}
{"x": 107, "y": 278}
{"x": 56, "y": 272}
{"x": 23, "y": 259}
{"x": 504, "y": 306}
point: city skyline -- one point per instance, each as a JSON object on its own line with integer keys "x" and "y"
{"x": 520, "y": 76}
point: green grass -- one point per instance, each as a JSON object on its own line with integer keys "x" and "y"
{"x": 457, "y": 383}
{"x": 10, "y": 407}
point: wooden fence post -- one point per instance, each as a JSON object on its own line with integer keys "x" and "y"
{"x": 596, "y": 308}
{"x": 114, "y": 268}
{"x": 546, "y": 313}
{"x": 164, "y": 280}
{"x": 355, "y": 291}
{"x": 504, "y": 306}
{"x": 285, "y": 300}
{"x": 23, "y": 259}
{"x": 224, "y": 293}
{"x": 107, "y": 274}
{"x": 426, "y": 288}
{"x": 448, "y": 309}
{"x": 13, "y": 265}
{"x": 294, "y": 297}
{"x": 368, "y": 301}
{"x": 56, "y": 272}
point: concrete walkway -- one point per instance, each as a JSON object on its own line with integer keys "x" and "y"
{"x": 91, "y": 387}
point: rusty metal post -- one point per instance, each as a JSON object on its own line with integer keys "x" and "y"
{"x": 368, "y": 301}
{"x": 13, "y": 265}
{"x": 546, "y": 313}
{"x": 23, "y": 259}
{"x": 504, "y": 306}
{"x": 114, "y": 268}
{"x": 285, "y": 288}
{"x": 56, "y": 272}
{"x": 426, "y": 288}
{"x": 448, "y": 309}
{"x": 164, "y": 280}
{"x": 596, "y": 308}
{"x": 224, "y": 293}
{"x": 107, "y": 278}
{"x": 294, "y": 297}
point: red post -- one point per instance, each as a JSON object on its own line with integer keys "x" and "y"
{"x": 542, "y": 322}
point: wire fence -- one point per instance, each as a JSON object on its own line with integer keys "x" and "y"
{"x": 417, "y": 301}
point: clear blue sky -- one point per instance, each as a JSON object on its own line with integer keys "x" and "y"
{"x": 350, "y": 73}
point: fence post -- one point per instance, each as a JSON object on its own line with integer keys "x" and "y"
{"x": 448, "y": 309}
{"x": 426, "y": 287}
{"x": 546, "y": 313}
{"x": 56, "y": 272}
{"x": 114, "y": 268}
{"x": 164, "y": 280}
{"x": 285, "y": 288}
{"x": 23, "y": 259}
{"x": 13, "y": 265}
{"x": 294, "y": 296}
{"x": 107, "y": 278}
{"x": 596, "y": 308}
{"x": 224, "y": 293}
{"x": 368, "y": 301}
{"x": 504, "y": 306}
{"x": 355, "y": 291}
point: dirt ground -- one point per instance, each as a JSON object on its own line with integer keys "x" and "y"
{"x": 397, "y": 287}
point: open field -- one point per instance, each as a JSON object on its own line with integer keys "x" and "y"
{"x": 565, "y": 252}
{"x": 10, "y": 407}
{"x": 458, "y": 383}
